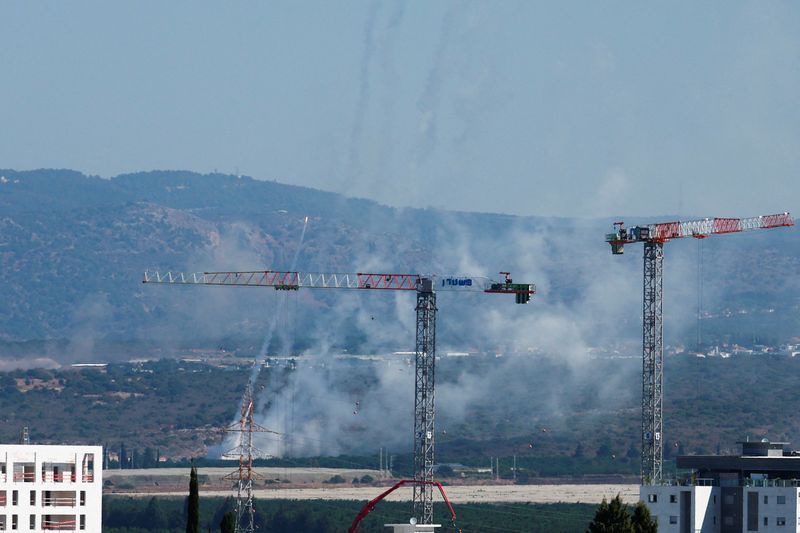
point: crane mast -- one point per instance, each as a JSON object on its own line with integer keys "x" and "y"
{"x": 425, "y": 347}
{"x": 654, "y": 236}
{"x": 424, "y": 411}
{"x": 653, "y": 361}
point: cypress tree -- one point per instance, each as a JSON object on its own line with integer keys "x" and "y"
{"x": 154, "y": 516}
{"x": 611, "y": 517}
{"x": 228, "y": 524}
{"x": 643, "y": 522}
{"x": 193, "y": 507}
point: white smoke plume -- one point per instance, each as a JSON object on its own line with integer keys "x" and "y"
{"x": 330, "y": 406}
{"x": 587, "y": 301}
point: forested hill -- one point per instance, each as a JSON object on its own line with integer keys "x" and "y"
{"x": 73, "y": 249}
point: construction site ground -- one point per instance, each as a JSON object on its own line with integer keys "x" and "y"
{"x": 309, "y": 484}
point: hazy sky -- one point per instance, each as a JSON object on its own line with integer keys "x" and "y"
{"x": 535, "y": 108}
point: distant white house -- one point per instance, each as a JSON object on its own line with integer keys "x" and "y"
{"x": 51, "y": 488}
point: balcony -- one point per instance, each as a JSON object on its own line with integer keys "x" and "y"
{"x": 87, "y": 468}
{"x": 58, "y": 477}
{"x": 688, "y": 482}
{"x": 59, "y": 472}
{"x": 59, "y": 523}
{"x": 24, "y": 477}
{"x": 59, "y": 499}
{"x": 747, "y": 482}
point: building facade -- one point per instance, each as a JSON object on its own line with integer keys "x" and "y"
{"x": 50, "y": 488}
{"x": 758, "y": 490}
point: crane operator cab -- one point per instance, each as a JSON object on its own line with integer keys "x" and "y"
{"x": 621, "y": 236}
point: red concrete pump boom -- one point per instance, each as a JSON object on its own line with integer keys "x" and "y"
{"x": 370, "y": 506}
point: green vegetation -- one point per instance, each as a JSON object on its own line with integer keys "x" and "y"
{"x": 642, "y": 520}
{"x": 193, "y": 505}
{"x": 130, "y": 515}
{"x": 171, "y": 409}
{"x": 138, "y": 411}
{"x": 228, "y": 524}
{"x": 613, "y": 517}
{"x": 74, "y": 248}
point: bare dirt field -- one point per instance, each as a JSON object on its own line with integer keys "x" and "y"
{"x": 308, "y": 484}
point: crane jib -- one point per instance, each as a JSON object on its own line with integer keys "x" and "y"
{"x": 293, "y": 281}
{"x": 699, "y": 229}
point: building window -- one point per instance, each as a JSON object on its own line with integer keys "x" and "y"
{"x": 33, "y": 497}
{"x": 14, "y": 497}
{"x": 673, "y": 519}
{"x": 715, "y": 498}
{"x": 780, "y": 521}
{"x": 83, "y": 498}
{"x": 33, "y": 521}
{"x": 729, "y": 499}
{"x": 673, "y": 498}
{"x": 766, "y": 521}
{"x": 83, "y": 522}
{"x": 652, "y": 498}
{"x": 88, "y": 468}
{"x": 728, "y": 520}
{"x": 781, "y": 499}
{"x": 766, "y": 499}
{"x": 14, "y": 521}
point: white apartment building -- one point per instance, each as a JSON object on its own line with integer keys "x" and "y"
{"x": 51, "y": 488}
{"x": 756, "y": 491}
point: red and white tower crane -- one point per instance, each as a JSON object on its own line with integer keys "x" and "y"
{"x": 426, "y": 287}
{"x": 654, "y": 236}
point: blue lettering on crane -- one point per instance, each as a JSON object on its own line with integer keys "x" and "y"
{"x": 457, "y": 282}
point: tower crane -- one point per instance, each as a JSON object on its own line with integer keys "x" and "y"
{"x": 426, "y": 287}
{"x": 654, "y": 236}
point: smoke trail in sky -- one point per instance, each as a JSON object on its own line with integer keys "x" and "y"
{"x": 428, "y": 103}
{"x": 362, "y": 103}
{"x": 256, "y": 370}
{"x": 280, "y": 310}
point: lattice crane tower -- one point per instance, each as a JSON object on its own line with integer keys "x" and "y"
{"x": 654, "y": 236}
{"x": 426, "y": 287}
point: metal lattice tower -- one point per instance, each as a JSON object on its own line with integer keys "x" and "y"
{"x": 654, "y": 236}
{"x": 425, "y": 337}
{"x": 245, "y": 451}
{"x": 424, "y": 435}
{"x": 653, "y": 363}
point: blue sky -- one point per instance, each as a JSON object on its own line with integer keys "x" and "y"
{"x": 531, "y": 108}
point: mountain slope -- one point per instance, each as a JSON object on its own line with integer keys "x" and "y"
{"x": 73, "y": 249}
